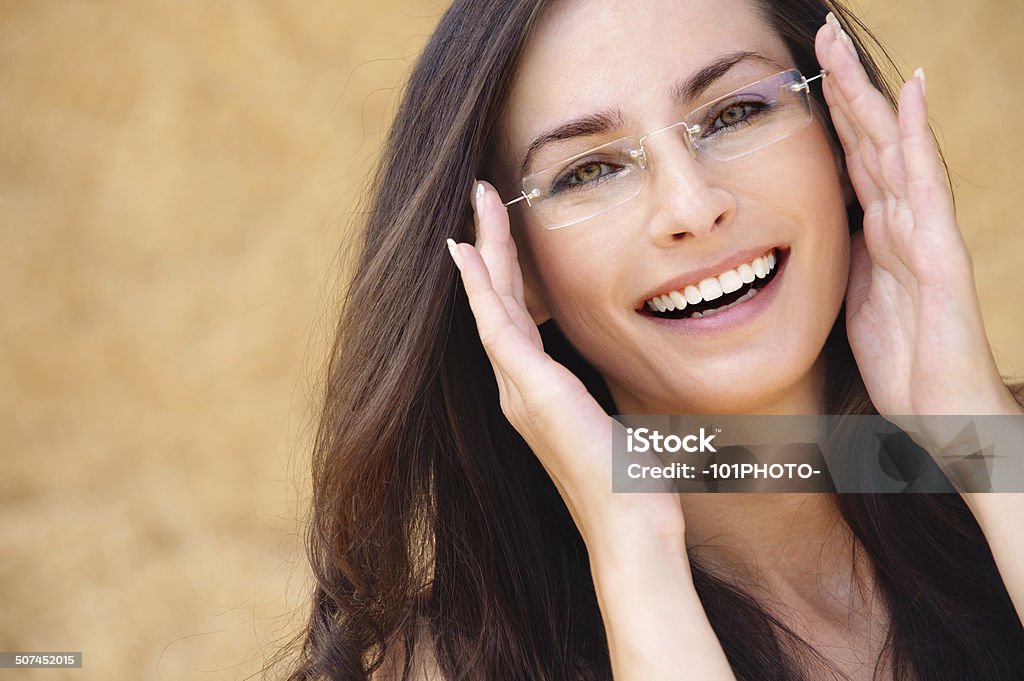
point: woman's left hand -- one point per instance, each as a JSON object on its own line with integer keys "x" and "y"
{"x": 912, "y": 312}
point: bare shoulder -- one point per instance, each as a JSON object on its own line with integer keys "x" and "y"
{"x": 424, "y": 665}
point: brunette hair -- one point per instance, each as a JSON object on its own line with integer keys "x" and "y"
{"x": 433, "y": 524}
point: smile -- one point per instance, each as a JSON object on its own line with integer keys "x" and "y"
{"x": 717, "y": 293}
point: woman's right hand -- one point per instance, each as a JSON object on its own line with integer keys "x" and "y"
{"x": 655, "y": 623}
{"x": 548, "y": 405}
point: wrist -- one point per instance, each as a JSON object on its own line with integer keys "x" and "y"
{"x": 638, "y": 561}
{"x": 632, "y": 548}
{"x": 994, "y": 508}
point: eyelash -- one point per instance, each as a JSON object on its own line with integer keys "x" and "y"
{"x": 760, "y": 107}
{"x": 563, "y": 183}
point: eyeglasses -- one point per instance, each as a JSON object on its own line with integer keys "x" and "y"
{"x": 734, "y": 125}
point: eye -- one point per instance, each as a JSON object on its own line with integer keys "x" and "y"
{"x": 736, "y": 114}
{"x": 585, "y": 174}
{"x": 589, "y": 172}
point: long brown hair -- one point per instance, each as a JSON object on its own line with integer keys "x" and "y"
{"x": 433, "y": 524}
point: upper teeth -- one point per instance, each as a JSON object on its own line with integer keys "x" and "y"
{"x": 714, "y": 287}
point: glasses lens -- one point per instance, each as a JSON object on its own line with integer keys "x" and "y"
{"x": 587, "y": 184}
{"x": 752, "y": 117}
{"x": 735, "y": 125}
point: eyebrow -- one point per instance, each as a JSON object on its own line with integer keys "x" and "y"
{"x": 606, "y": 121}
{"x": 695, "y": 85}
{"x": 591, "y": 124}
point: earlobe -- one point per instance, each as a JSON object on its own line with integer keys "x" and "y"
{"x": 849, "y": 193}
{"x": 536, "y": 305}
{"x": 533, "y": 293}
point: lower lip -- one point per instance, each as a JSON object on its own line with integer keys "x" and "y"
{"x": 735, "y": 317}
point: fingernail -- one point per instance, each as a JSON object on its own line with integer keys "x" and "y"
{"x": 919, "y": 74}
{"x": 454, "y": 252}
{"x": 845, "y": 39}
{"x": 472, "y": 195}
{"x": 479, "y": 198}
{"x": 831, "y": 20}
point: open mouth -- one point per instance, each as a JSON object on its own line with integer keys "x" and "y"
{"x": 718, "y": 293}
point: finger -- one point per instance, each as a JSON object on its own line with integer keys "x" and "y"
{"x": 927, "y": 186}
{"x": 491, "y": 202}
{"x": 872, "y": 115}
{"x": 889, "y": 215}
{"x": 868, "y": 189}
{"x": 864, "y": 183}
{"x": 458, "y": 258}
{"x": 494, "y": 242}
{"x": 511, "y": 350}
{"x": 868, "y": 165}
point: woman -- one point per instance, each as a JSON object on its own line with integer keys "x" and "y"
{"x": 463, "y": 525}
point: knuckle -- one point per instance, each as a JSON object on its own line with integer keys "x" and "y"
{"x": 530, "y": 408}
{"x": 492, "y": 338}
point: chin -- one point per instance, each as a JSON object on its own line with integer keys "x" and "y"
{"x": 765, "y": 383}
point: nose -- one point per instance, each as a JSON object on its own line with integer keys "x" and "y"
{"x": 687, "y": 199}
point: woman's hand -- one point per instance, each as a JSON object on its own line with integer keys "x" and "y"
{"x": 655, "y": 623}
{"x": 547, "y": 404}
{"x": 912, "y": 312}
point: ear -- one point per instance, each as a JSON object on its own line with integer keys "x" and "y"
{"x": 536, "y": 305}
{"x": 849, "y": 193}
{"x": 533, "y": 293}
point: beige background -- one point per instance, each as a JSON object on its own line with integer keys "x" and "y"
{"x": 175, "y": 178}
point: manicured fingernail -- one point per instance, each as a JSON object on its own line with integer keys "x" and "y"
{"x": 472, "y": 195}
{"x": 454, "y": 251}
{"x": 479, "y": 198}
{"x": 845, "y": 39}
{"x": 831, "y": 20}
{"x": 919, "y": 74}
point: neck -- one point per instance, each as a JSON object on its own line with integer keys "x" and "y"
{"x": 791, "y": 549}
{"x": 787, "y": 548}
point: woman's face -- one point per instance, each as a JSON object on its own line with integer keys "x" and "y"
{"x": 622, "y": 64}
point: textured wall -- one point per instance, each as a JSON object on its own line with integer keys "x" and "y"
{"x": 175, "y": 177}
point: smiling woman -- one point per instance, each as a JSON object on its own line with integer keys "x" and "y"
{"x": 697, "y": 208}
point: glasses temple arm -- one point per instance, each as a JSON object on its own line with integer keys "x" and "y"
{"x": 821, "y": 74}
{"x": 523, "y": 196}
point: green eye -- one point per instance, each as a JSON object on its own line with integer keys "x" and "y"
{"x": 737, "y": 114}
{"x": 586, "y": 175}
{"x": 588, "y": 172}
{"x": 733, "y": 114}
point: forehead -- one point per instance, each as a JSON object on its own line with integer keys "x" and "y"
{"x": 587, "y": 56}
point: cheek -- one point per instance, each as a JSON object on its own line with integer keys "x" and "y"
{"x": 574, "y": 274}
{"x": 569, "y": 277}
{"x": 836, "y": 263}
{"x": 834, "y": 243}
{"x": 826, "y": 263}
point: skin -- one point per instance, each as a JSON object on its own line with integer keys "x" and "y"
{"x": 908, "y": 273}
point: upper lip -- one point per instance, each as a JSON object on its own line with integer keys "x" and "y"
{"x": 695, "y": 276}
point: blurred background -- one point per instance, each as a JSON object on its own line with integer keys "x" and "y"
{"x": 176, "y": 178}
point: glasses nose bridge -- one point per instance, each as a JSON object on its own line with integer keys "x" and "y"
{"x": 687, "y": 134}
{"x": 683, "y": 179}
{"x": 688, "y": 131}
